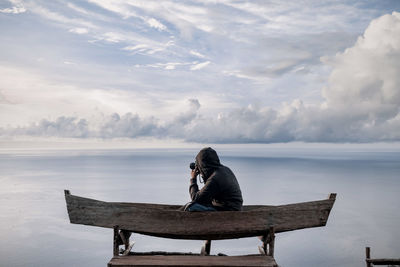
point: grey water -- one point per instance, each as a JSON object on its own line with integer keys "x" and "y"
{"x": 35, "y": 229}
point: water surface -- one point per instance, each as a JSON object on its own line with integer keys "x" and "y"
{"x": 35, "y": 230}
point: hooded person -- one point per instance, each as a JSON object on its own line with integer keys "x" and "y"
{"x": 221, "y": 190}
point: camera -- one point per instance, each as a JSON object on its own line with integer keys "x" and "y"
{"x": 192, "y": 166}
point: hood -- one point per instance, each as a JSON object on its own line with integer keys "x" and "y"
{"x": 207, "y": 161}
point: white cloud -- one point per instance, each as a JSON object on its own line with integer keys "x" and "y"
{"x": 156, "y": 24}
{"x": 362, "y": 104}
{"x": 365, "y": 81}
{"x": 113, "y": 126}
{"x": 135, "y": 47}
{"x": 113, "y": 37}
{"x": 69, "y": 63}
{"x": 118, "y": 7}
{"x": 78, "y": 9}
{"x": 143, "y": 49}
{"x": 28, "y": 97}
{"x": 197, "y": 54}
{"x": 79, "y": 30}
{"x": 167, "y": 66}
{"x": 61, "y": 127}
{"x": 367, "y": 74}
{"x": 261, "y": 52}
{"x": 109, "y": 34}
{"x": 170, "y": 66}
{"x": 128, "y": 125}
{"x": 362, "y": 100}
{"x": 200, "y": 65}
{"x": 17, "y": 8}
{"x": 60, "y": 18}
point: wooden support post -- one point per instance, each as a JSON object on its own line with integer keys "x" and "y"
{"x": 271, "y": 241}
{"x": 115, "y": 243}
{"x": 265, "y": 244}
{"x": 268, "y": 241}
{"x": 263, "y": 248}
{"x": 208, "y": 247}
{"x": 124, "y": 235}
{"x": 205, "y": 250}
{"x": 368, "y": 256}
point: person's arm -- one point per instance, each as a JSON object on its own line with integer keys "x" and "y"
{"x": 193, "y": 188}
{"x": 206, "y": 194}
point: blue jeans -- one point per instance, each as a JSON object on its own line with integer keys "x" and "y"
{"x": 199, "y": 207}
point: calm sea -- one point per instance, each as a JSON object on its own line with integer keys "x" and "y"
{"x": 35, "y": 229}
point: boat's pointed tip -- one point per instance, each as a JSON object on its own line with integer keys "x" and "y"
{"x": 66, "y": 192}
{"x": 332, "y": 196}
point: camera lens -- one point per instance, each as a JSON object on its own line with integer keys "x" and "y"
{"x": 192, "y": 166}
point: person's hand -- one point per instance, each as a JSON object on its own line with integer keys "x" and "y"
{"x": 194, "y": 173}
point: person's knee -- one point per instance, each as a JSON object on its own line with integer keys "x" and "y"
{"x": 199, "y": 207}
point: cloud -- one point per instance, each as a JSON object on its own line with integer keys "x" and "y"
{"x": 113, "y": 126}
{"x": 102, "y": 28}
{"x": 79, "y": 30}
{"x": 17, "y": 8}
{"x": 140, "y": 47}
{"x": 365, "y": 76}
{"x": 69, "y": 63}
{"x": 61, "y": 127}
{"x": 144, "y": 49}
{"x": 361, "y": 104}
{"x": 255, "y": 41}
{"x": 135, "y": 64}
{"x": 362, "y": 100}
{"x": 200, "y": 65}
{"x": 129, "y": 125}
{"x": 156, "y": 24}
{"x": 59, "y": 18}
{"x": 364, "y": 85}
{"x": 78, "y": 9}
{"x": 197, "y": 54}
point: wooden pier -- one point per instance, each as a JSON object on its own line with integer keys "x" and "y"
{"x": 168, "y": 221}
{"x": 381, "y": 261}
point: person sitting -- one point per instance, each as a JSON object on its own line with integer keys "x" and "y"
{"x": 221, "y": 190}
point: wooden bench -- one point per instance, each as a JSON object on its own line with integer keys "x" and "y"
{"x": 168, "y": 221}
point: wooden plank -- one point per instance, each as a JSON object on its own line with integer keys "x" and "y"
{"x": 383, "y": 261}
{"x": 148, "y": 253}
{"x": 166, "y": 221}
{"x": 221, "y": 261}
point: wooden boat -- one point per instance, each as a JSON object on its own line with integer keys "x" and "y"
{"x": 167, "y": 221}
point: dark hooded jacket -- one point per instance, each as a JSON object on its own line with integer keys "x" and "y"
{"x": 221, "y": 189}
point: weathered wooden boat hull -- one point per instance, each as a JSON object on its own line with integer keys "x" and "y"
{"x": 167, "y": 221}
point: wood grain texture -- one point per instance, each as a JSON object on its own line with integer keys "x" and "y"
{"x": 160, "y": 260}
{"x": 167, "y": 221}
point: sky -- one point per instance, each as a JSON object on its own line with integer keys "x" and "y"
{"x": 201, "y": 71}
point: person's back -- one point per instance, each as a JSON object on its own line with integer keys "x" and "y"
{"x": 221, "y": 190}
